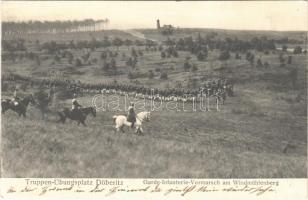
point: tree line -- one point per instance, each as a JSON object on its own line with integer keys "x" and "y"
{"x": 66, "y": 26}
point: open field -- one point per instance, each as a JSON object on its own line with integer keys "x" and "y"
{"x": 259, "y": 133}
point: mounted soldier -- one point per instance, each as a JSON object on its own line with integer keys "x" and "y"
{"x": 75, "y": 104}
{"x": 131, "y": 116}
{"x": 15, "y": 100}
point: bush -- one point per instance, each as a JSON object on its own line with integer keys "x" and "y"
{"x": 290, "y": 60}
{"x": 284, "y": 48}
{"x": 64, "y": 93}
{"x": 187, "y": 65}
{"x": 194, "y": 68}
{"x": 237, "y": 56}
{"x": 259, "y": 63}
{"x": 130, "y": 75}
{"x": 151, "y": 74}
{"x": 164, "y": 75}
{"x": 225, "y": 55}
{"x": 297, "y": 50}
{"x": 4, "y": 87}
{"x": 162, "y": 54}
{"x": 201, "y": 55}
{"x": 78, "y": 62}
{"x": 113, "y": 64}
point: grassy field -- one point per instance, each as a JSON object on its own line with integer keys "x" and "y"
{"x": 259, "y": 133}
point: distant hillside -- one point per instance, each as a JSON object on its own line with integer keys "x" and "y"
{"x": 222, "y": 34}
{"x": 77, "y": 36}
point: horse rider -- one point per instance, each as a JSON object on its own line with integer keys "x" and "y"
{"x": 131, "y": 117}
{"x": 75, "y": 104}
{"x": 15, "y": 99}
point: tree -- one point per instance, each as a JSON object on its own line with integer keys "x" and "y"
{"x": 133, "y": 52}
{"x": 284, "y": 48}
{"x": 151, "y": 74}
{"x": 103, "y": 55}
{"x": 117, "y": 42}
{"x": 187, "y": 65}
{"x": 128, "y": 43}
{"x": 237, "y": 56}
{"x": 37, "y": 60}
{"x": 281, "y": 60}
{"x": 86, "y": 57}
{"x": 194, "y": 68}
{"x": 297, "y": 50}
{"x": 57, "y": 58}
{"x": 113, "y": 64}
{"x": 78, "y": 62}
{"x": 130, "y": 75}
{"x": 290, "y": 60}
{"x": 106, "y": 65}
{"x": 293, "y": 75}
{"x": 164, "y": 75}
{"x": 70, "y": 57}
{"x": 129, "y": 62}
{"x": 163, "y": 54}
{"x": 259, "y": 63}
{"x": 201, "y": 55}
{"x": 225, "y": 55}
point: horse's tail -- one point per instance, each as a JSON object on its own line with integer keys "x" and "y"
{"x": 114, "y": 118}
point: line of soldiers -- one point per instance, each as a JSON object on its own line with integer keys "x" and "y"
{"x": 209, "y": 88}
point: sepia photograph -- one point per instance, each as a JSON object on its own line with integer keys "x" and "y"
{"x": 164, "y": 89}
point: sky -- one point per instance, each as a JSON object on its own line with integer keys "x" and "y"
{"x": 239, "y": 15}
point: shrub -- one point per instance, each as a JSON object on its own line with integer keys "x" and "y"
{"x": 78, "y": 62}
{"x": 225, "y": 55}
{"x": 194, "y": 68}
{"x": 164, "y": 75}
{"x": 297, "y": 50}
{"x": 187, "y": 65}
{"x": 162, "y": 54}
{"x": 151, "y": 74}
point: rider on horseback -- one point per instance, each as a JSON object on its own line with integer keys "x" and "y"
{"x": 131, "y": 117}
{"x": 15, "y": 99}
{"x": 75, "y": 104}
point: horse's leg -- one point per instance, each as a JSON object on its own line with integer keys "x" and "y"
{"x": 137, "y": 129}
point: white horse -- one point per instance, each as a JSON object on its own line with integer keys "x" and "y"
{"x": 121, "y": 120}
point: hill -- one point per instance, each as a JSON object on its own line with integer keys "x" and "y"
{"x": 259, "y": 133}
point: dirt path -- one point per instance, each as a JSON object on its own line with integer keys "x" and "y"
{"x": 138, "y": 35}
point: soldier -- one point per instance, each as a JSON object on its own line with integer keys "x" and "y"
{"x": 15, "y": 99}
{"x": 131, "y": 117}
{"x": 75, "y": 104}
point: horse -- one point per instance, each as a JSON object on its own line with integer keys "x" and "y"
{"x": 79, "y": 115}
{"x": 5, "y": 105}
{"x": 121, "y": 120}
{"x": 20, "y": 108}
{"x": 88, "y": 110}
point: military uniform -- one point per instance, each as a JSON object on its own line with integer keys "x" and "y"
{"x": 15, "y": 98}
{"x": 75, "y": 104}
{"x": 131, "y": 117}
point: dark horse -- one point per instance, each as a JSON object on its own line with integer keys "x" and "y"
{"x": 20, "y": 108}
{"x": 79, "y": 115}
